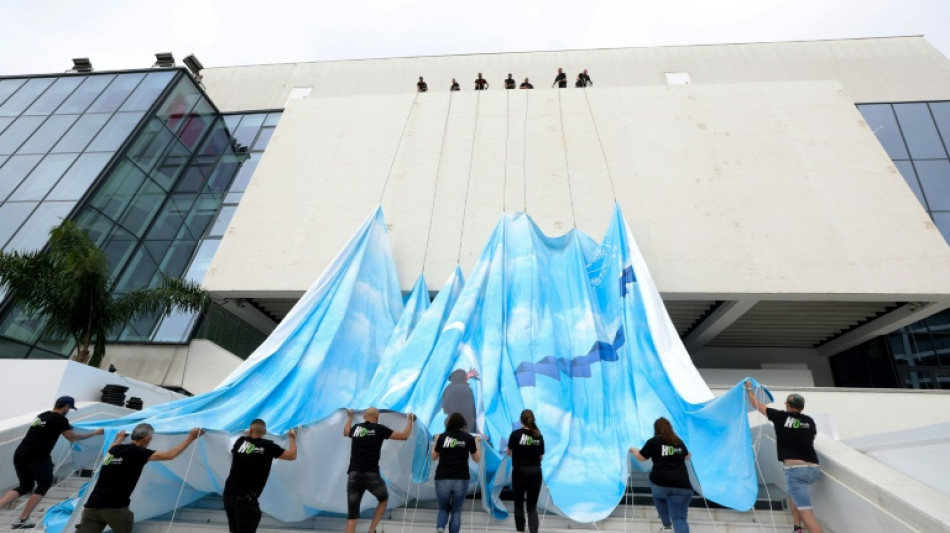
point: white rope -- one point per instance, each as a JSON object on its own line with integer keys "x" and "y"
{"x": 545, "y": 512}
{"x": 524, "y": 152}
{"x": 504, "y": 187}
{"x": 471, "y": 161}
{"x": 758, "y": 468}
{"x": 184, "y": 480}
{"x": 412, "y": 519}
{"x": 567, "y": 165}
{"x": 627, "y": 488}
{"x": 603, "y": 152}
{"x": 438, "y": 172}
{"x": 398, "y": 145}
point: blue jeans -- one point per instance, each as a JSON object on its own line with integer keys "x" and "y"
{"x": 798, "y": 481}
{"x": 672, "y": 504}
{"x": 451, "y": 496}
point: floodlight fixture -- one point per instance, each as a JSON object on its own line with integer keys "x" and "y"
{"x": 164, "y": 60}
{"x": 81, "y": 64}
{"x": 193, "y": 65}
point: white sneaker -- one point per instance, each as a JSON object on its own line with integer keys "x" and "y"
{"x": 664, "y": 529}
{"x": 23, "y": 524}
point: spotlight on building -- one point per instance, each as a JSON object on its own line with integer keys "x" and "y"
{"x": 81, "y": 64}
{"x": 164, "y": 60}
{"x": 193, "y": 65}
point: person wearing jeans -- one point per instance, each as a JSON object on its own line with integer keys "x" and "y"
{"x": 669, "y": 479}
{"x": 526, "y": 448}
{"x": 452, "y": 449}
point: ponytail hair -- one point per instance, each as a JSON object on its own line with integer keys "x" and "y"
{"x": 527, "y": 420}
{"x": 663, "y": 429}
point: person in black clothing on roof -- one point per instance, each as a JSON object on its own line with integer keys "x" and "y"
{"x": 795, "y": 443}
{"x": 509, "y": 82}
{"x": 669, "y": 479}
{"x": 526, "y": 448}
{"x": 366, "y": 442}
{"x": 560, "y": 80}
{"x": 481, "y": 83}
{"x": 32, "y": 459}
{"x": 108, "y": 505}
{"x": 583, "y": 79}
{"x": 454, "y": 86}
{"x": 422, "y": 86}
{"x": 251, "y": 458}
{"x": 452, "y": 449}
{"x": 526, "y": 85}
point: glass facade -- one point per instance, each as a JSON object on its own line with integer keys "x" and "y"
{"x": 141, "y": 160}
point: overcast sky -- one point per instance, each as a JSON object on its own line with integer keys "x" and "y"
{"x": 38, "y": 36}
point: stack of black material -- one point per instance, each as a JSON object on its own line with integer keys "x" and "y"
{"x": 134, "y": 403}
{"x": 114, "y": 394}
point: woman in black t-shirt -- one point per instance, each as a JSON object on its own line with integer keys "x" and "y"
{"x": 526, "y": 448}
{"x": 452, "y": 449}
{"x": 669, "y": 479}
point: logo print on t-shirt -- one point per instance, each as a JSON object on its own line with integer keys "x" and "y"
{"x": 449, "y": 442}
{"x": 247, "y": 447}
{"x": 38, "y": 423}
{"x": 794, "y": 423}
{"x": 528, "y": 440}
{"x": 667, "y": 451}
{"x": 363, "y": 432}
{"x": 111, "y": 460}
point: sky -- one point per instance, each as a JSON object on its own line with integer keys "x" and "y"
{"x": 42, "y": 36}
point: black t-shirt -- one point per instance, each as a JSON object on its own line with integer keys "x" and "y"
{"x": 423, "y": 86}
{"x": 454, "y": 87}
{"x": 40, "y": 439}
{"x": 585, "y": 79}
{"x": 250, "y": 465}
{"x": 509, "y": 83}
{"x": 526, "y": 448}
{"x": 480, "y": 83}
{"x": 120, "y": 472}
{"x": 794, "y": 435}
{"x": 454, "y": 447}
{"x": 561, "y": 80}
{"x": 526, "y": 85}
{"x": 669, "y": 464}
{"x": 367, "y": 441}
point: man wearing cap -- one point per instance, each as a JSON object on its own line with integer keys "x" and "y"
{"x": 795, "y": 443}
{"x": 108, "y": 505}
{"x": 32, "y": 459}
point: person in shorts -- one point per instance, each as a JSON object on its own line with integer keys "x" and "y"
{"x": 33, "y": 460}
{"x": 795, "y": 443}
{"x": 366, "y": 442}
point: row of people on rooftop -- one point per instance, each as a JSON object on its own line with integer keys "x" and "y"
{"x": 481, "y": 84}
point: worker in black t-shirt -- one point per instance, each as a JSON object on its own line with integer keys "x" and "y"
{"x": 509, "y": 82}
{"x": 526, "y": 448}
{"x": 795, "y": 443}
{"x": 452, "y": 449}
{"x": 526, "y": 85}
{"x": 583, "y": 79}
{"x": 422, "y": 86}
{"x": 454, "y": 86}
{"x": 669, "y": 479}
{"x": 251, "y": 458}
{"x": 366, "y": 443}
{"x": 108, "y": 505}
{"x": 32, "y": 459}
{"x": 560, "y": 80}
{"x": 480, "y": 83}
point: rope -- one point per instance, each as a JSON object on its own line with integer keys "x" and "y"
{"x": 600, "y": 141}
{"x": 524, "y": 152}
{"x": 471, "y": 160}
{"x": 182, "y": 489}
{"x": 567, "y": 166}
{"x": 504, "y": 187}
{"x": 412, "y": 519}
{"x": 438, "y": 172}
{"x": 545, "y": 512}
{"x": 392, "y": 163}
{"x": 627, "y": 488}
{"x": 758, "y": 468}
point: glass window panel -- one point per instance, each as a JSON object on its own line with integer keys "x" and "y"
{"x": 177, "y": 257}
{"x": 4, "y": 122}
{"x": 80, "y": 176}
{"x": 146, "y": 203}
{"x": 272, "y": 119}
{"x": 935, "y": 181}
{"x": 910, "y": 176}
{"x": 222, "y": 221}
{"x": 171, "y": 165}
{"x": 48, "y": 134}
{"x": 263, "y": 139}
{"x": 150, "y": 144}
{"x": 248, "y": 129}
{"x": 119, "y": 247}
{"x": 12, "y": 216}
{"x": 199, "y": 218}
{"x": 942, "y": 348}
{"x": 231, "y": 121}
{"x": 172, "y": 218}
{"x": 113, "y": 197}
{"x": 35, "y": 232}
{"x": 96, "y": 225}
{"x": 20, "y": 100}
{"x": 919, "y": 130}
{"x": 115, "y": 132}
{"x": 14, "y": 171}
{"x": 175, "y": 327}
{"x": 223, "y": 173}
{"x": 148, "y": 91}
{"x": 115, "y": 94}
{"x": 202, "y": 260}
{"x": 54, "y": 96}
{"x": 216, "y": 142}
{"x": 193, "y": 129}
{"x": 18, "y": 132}
{"x": 182, "y": 100}
{"x": 233, "y": 198}
{"x": 244, "y": 175}
{"x": 942, "y": 220}
{"x": 43, "y": 178}
{"x": 156, "y": 249}
{"x": 941, "y": 112}
{"x": 8, "y": 87}
{"x": 881, "y": 120}
{"x": 138, "y": 273}
{"x": 78, "y": 136}
{"x": 91, "y": 87}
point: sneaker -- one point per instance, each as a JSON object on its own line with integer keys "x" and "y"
{"x": 664, "y": 529}
{"x": 797, "y": 529}
{"x": 23, "y": 524}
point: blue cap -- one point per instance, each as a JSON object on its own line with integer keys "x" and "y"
{"x": 66, "y": 400}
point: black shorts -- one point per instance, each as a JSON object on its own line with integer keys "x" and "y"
{"x": 33, "y": 472}
{"x": 359, "y": 482}
{"x": 243, "y": 512}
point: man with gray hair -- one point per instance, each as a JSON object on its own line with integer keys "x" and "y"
{"x": 108, "y": 505}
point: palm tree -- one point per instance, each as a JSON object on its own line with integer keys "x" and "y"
{"x": 69, "y": 287}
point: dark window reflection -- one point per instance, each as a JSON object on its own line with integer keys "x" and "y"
{"x": 919, "y": 130}
{"x": 881, "y": 120}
